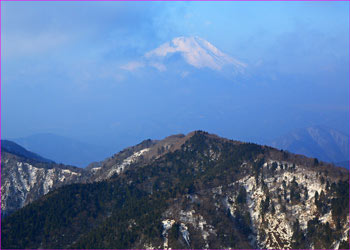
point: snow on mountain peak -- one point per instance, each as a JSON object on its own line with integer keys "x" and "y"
{"x": 196, "y": 51}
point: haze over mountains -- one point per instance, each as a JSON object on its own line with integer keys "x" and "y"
{"x": 320, "y": 142}
{"x": 197, "y": 86}
{"x": 182, "y": 84}
{"x": 65, "y": 150}
{"x": 324, "y": 143}
{"x": 111, "y": 74}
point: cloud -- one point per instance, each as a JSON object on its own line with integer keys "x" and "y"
{"x": 135, "y": 65}
{"x": 25, "y": 44}
{"x": 207, "y": 23}
{"x": 184, "y": 74}
{"x": 132, "y": 66}
{"x": 161, "y": 67}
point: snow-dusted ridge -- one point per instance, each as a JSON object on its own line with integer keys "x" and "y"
{"x": 277, "y": 226}
{"x": 210, "y": 215}
{"x": 23, "y": 182}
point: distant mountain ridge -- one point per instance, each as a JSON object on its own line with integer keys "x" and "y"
{"x": 14, "y": 148}
{"x": 62, "y": 149}
{"x": 324, "y": 143}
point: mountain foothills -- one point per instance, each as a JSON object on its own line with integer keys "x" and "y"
{"x": 324, "y": 143}
{"x": 193, "y": 191}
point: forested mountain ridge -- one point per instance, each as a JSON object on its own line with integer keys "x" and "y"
{"x": 26, "y": 176}
{"x": 194, "y": 191}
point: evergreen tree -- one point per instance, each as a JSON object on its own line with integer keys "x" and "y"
{"x": 298, "y": 238}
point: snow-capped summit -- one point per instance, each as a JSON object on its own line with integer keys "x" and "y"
{"x": 195, "y": 51}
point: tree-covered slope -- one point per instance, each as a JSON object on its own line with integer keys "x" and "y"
{"x": 200, "y": 192}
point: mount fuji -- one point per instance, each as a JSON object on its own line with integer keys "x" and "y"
{"x": 194, "y": 51}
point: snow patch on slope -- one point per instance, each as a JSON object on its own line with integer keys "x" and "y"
{"x": 197, "y": 221}
{"x": 278, "y": 226}
{"x": 24, "y": 183}
{"x": 167, "y": 224}
{"x": 119, "y": 168}
{"x": 185, "y": 233}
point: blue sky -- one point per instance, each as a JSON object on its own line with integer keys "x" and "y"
{"x": 63, "y": 69}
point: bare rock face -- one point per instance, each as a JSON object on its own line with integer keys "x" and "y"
{"x": 24, "y": 180}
